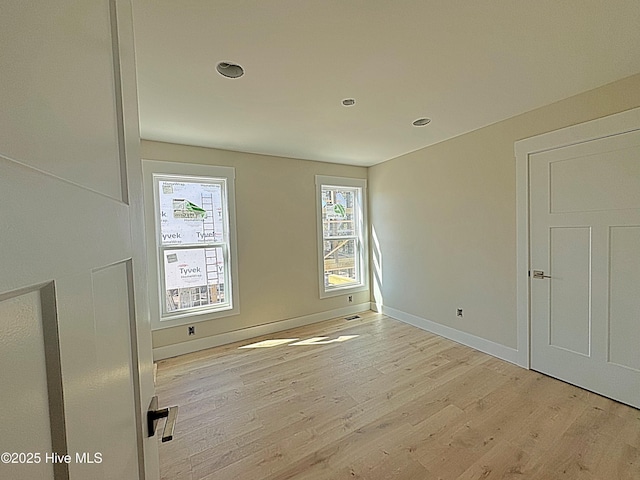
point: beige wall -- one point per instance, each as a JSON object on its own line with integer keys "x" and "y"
{"x": 445, "y": 217}
{"x": 276, "y": 228}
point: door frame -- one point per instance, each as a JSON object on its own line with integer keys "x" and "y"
{"x": 616, "y": 124}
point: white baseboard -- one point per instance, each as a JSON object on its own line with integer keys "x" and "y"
{"x": 487, "y": 346}
{"x": 183, "y": 348}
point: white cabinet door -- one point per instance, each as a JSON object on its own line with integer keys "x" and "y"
{"x": 75, "y": 353}
{"x": 585, "y": 239}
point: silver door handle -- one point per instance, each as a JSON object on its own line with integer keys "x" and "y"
{"x": 154, "y": 414}
{"x": 540, "y": 274}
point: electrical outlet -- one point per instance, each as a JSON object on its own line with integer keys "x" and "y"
{"x": 459, "y": 313}
{"x": 192, "y": 330}
{"x": 350, "y": 298}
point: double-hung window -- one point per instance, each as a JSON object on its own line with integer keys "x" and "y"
{"x": 194, "y": 243}
{"x": 342, "y": 239}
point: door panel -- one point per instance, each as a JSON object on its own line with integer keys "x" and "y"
{"x": 624, "y": 294}
{"x": 22, "y": 356}
{"x": 570, "y": 306}
{"x": 61, "y": 104}
{"x": 606, "y": 182}
{"x": 112, "y": 297}
{"x": 585, "y": 219}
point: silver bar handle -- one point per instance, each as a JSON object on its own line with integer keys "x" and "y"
{"x": 154, "y": 414}
{"x": 540, "y": 274}
{"x": 170, "y": 424}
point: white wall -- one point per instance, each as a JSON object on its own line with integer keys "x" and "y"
{"x": 444, "y": 218}
{"x": 276, "y": 232}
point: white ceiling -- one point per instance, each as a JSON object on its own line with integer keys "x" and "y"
{"x": 464, "y": 64}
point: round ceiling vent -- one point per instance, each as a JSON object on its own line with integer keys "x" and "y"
{"x": 421, "y": 122}
{"x": 230, "y": 70}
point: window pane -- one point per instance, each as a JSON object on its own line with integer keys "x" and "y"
{"x": 194, "y": 278}
{"x": 340, "y": 263}
{"x": 338, "y": 211}
{"x": 190, "y": 212}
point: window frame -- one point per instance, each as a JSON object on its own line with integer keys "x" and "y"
{"x": 361, "y": 235}
{"x": 155, "y": 172}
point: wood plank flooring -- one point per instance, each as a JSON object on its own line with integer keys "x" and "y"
{"x": 393, "y": 402}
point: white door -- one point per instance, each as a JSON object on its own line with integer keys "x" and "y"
{"x": 75, "y": 355}
{"x": 585, "y": 238}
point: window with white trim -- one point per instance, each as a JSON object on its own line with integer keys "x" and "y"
{"x": 194, "y": 242}
{"x": 342, "y": 242}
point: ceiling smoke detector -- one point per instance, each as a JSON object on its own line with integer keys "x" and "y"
{"x": 230, "y": 70}
{"x": 421, "y": 122}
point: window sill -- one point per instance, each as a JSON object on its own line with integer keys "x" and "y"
{"x": 336, "y": 292}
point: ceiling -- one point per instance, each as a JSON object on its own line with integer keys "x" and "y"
{"x": 463, "y": 64}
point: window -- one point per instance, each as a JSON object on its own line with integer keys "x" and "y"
{"x": 342, "y": 250}
{"x": 194, "y": 242}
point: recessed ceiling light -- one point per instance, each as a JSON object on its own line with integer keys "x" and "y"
{"x": 230, "y": 70}
{"x": 349, "y": 102}
{"x": 421, "y": 122}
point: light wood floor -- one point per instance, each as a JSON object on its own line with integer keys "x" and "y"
{"x": 394, "y": 402}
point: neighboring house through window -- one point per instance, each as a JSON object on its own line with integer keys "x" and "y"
{"x": 342, "y": 240}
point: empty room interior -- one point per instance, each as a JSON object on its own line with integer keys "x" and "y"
{"x": 320, "y": 239}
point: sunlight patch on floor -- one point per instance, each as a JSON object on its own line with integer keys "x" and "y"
{"x": 292, "y": 341}
{"x": 270, "y": 343}
{"x": 324, "y": 341}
